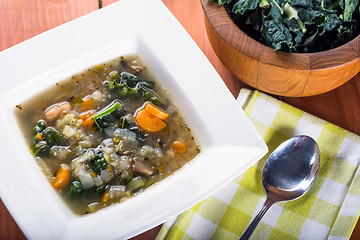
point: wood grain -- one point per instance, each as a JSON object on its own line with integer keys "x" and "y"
{"x": 277, "y": 72}
{"x": 21, "y": 20}
{"x": 26, "y": 18}
{"x": 340, "y": 106}
{"x": 8, "y": 227}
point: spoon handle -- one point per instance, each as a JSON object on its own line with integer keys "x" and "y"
{"x": 246, "y": 235}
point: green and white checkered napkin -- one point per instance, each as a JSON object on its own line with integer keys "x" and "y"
{"x": 329, "y": 210}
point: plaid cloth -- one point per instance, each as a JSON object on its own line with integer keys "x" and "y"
{"x": 329, "y": 210}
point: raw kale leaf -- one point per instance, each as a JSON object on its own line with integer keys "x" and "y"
{"x": 350, "y": 7}
{"x": 242, "y": 6}
{"x": 297, "y": 25}
{"x": 302, "y": 3}
{"x": 331, "y": 22}
{"x": 277, "y": 35}
{"x": 223, "y": 2}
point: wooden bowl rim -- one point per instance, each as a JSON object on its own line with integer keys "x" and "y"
{"x": 209, "y": 6}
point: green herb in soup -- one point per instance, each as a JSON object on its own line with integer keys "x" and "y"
{"x": 106, "y": 134}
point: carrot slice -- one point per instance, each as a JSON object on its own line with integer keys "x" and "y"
{"x": 87, "y": 104}
{"x": 105, "y": 197}
{"x": 157, "y": 112}
{"x": 38, "y": 136}
{"x": 149, "y": 122}
{"x": 179, "y": 146}
{"x": 88, "y": 122}
{"x": 86, "y": 115}
{"x": 62, "y": 177}
{"x": 92, "y": 174}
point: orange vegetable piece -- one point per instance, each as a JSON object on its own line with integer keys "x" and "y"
{"x": 105, "y": 197}
{"x": 179, "y": 146}
{"x": 92, "y": 174}
{"x": 88, "y": 122}
{"x": 88, "y": 104}
{"x": 149, "y": 122}
{"x": 157, "y": 112}
{"x": 62, "y": 177}
{"x": 38, "y": 136}
{"x": 86, "y": 115}
{"x": 161, "y": 168}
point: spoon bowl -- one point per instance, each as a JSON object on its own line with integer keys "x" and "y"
{"x": 291, "y": 169}
{"x": 288, "y": 173}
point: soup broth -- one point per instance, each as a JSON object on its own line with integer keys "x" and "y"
{"x": 106, "y": 134}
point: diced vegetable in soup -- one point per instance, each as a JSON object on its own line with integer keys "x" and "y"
{"x": 106, "y": 134}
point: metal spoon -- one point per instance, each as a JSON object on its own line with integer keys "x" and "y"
{"x": 288, "y": 173}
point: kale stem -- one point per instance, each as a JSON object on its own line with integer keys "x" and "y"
{"x": 106, "y": 111}
{"x": 301, "y": 24}
{"x": 278, "y": 6}
{"x": 292, "y": 13}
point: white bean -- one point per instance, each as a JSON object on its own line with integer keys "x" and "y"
{"x": 65, "y": 107}
{"x": 55, "y": 111}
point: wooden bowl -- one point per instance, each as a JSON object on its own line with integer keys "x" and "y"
{"x": 277, "y": 72}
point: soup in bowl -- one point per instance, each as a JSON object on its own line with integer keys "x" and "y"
{"x": 106, "y": 134}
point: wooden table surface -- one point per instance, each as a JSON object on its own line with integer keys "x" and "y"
{"x": 23, "y": 19}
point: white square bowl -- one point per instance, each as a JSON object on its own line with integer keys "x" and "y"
{"x": 229, "y": 142}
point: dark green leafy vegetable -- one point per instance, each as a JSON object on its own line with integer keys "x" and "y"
{"x": 108, "y": 116}
{"x": 51, "y": 136}
{"x": 44, "y": 139}
{"x": 297, "y": 25}
{"x": 100, "y": 164}
{"x": 101, "y": 190}
{"x": 39, "y": 126}
{"x": 349, "y": 9}
{"x": 75, "y": 189}
{"x": 243, "y": 5}
{"x": 127, "y": 83}
{"x": 222, "y": 2}
{"x": 141, "y": 136}
{"x": 43, "y": 150}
